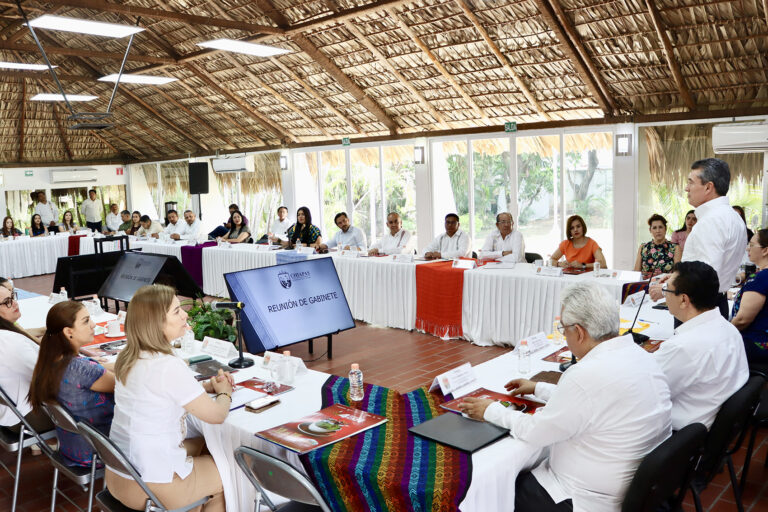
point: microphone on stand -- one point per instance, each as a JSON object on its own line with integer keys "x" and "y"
{"x": 636, "y": 336}
{"x": 227, "y": 305}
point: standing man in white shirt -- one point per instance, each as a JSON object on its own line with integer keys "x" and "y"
{"x": 454, "y": 243}
{"x": 174, "y": 227}
{"x": 48, "y": 212}
{"x": 91, "y": 209}
{"x": 280, "y": 226}
{"x": 599, "y": 422}
{"x": 718, "y": 238}
{"x": 397, "y": 241}
{"x": 348, "y": 237}
{"x": 704, "y": 361}
{"x": 113, "y": 219}
{"x": 506, "y": 243}
{"x": 189, "y": 229}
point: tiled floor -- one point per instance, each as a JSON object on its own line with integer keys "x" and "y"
{"x": 388, "y": 357}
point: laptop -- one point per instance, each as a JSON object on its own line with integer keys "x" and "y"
{"x": 459, "y": 432}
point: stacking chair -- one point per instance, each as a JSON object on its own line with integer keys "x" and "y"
{"x": 114, "y": 458}
{"x": 82, "y": 476}
{"x": 269, "y": 473}
{"x": 663, "y": 477}
{"x": 725, "y": 438}
{"x": 760, "y": 420}
{"x": 13, "y": 442}
{"x": 530, "y": 257}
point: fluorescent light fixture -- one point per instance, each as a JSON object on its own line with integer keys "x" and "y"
{"x": 21, "y": 65}
{"x": 59, "y": 97}
{"x": 230, "y": 45}
{"x": 95, "y": 28}
{"x": 138, "y": 79}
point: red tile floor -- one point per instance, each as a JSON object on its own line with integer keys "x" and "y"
{"x": 388, "y": 357}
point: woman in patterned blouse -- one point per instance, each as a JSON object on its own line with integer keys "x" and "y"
{"x": 659, "y": 255}
{"x": 303, "y": 232}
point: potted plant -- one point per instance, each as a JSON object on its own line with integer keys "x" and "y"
{"x": 206, "y": 321}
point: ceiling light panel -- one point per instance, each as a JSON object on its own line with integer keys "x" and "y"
{"x": 230, "y": 45}
{"x": 95, "y": 28}
{"x": 21, "y": 65}
{"x": 138, "y": 79}
{"x": 59, "y": 97}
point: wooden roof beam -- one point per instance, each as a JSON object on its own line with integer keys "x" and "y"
{"x": 443, "y": 71}
{"x": 391, "y": 68}
{"x": 188, "y": 19}
{"x": 240, "y": 102}
{"x": 37, "y": 75}
{"x": 197, "y": 118}
{"x": 345, "y": 14}
{"x": 62, "y": 135}
{"x": 669, "y": 54}
{"x": 147, "y": 129}
{"x": 329, "y": 66}
{"x": 551, "y": 12}
{"x": 105, "y": 141}
{"x": 22, "y": 113}
{"x": 503, "y": 60}
{"x": 76, "y": 52}
{"x": 125, "y": 142}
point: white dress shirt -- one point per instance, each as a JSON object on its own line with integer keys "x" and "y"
{"x": 606, "y": 413}
{"x": 449, "y": 247}
{"x": 280, "y": 228}
{"x": 495, "y": 244}
{"x": 705, "y": 364}
{"x": 718, "y": 238}
{"x": 48, "y": 212}
{"x": 149, "y": 424}
{"x": 399, "y": 243}
{"x": 354, "y": 238}
{"x": 175, "y": 229}
{"x": 113, "y": 221}
{"x": 19, "y": 355}
{"x": 91, "y": 210}
{"x": 189, "y": 231}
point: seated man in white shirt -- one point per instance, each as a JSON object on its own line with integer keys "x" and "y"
{"x": 397, "y": 241}
{"x": 348, "y": 237}
{"x": 187, "y": 230}
{"x": 174, "y": 227}
{"x": 454, "y": 243}
{"x": 280, "y": 226}
{"x": 604, "y": 416}
{"x": 149, "y": 228}
{"x": 506, "y": 243}
{"x": 704, "y": 361}
{"x": 113, "y": 220}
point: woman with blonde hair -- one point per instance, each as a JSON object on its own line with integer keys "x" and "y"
{"x": 155, "y": 391}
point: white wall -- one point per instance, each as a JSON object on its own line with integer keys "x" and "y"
{"x": 625, "y": 201}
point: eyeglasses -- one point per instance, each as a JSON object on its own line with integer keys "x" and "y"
{"x": 10, "y": 300}
{"x": 750, "y": 245}
{"x": 561, "y": 327}
{"x": 665, "y": 289}
{"x": 504, "y": 222}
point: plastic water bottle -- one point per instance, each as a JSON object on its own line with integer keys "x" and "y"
{"x": 356, "y": 391}
{"x": 523, "y": 357}
{"x": 288, "y": 368}
{"x": 556, "y": 336}
{"x": 63, "y": 294}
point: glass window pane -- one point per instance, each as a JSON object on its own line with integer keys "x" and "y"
{"x": 332, "y": 164}
{"x": 366, "y": 196}
{"x": 305, "y": 176}
{"x": 67, "y": 200}
{"x": 175, "y": 181}
{"x": 451, "y": 183}
{"x": 20, "y": 206}
{"x": 492, "y": 183}
{"x": 399, "y": 189}
{"x": 588, "y": 185}
{"x": 539, "y": 217}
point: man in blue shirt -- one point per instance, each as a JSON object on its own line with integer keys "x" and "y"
{"x": 349, "y": 238}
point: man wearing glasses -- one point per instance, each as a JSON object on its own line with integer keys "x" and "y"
{"x": 606, "y": 413}
{"x": 704, "y": 361}
{"x": 505, "y": 243}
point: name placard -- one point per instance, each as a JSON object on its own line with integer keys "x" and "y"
{"x": 464, "y": 264}
{"x": 262, "y": 247}
{"x": 549, "y": 271}
{"x": 217, "y": 348}
{"x": 403, "y": 258}
{"x": 462, "y": 377}
{"x": 537, "y": 341}
{"x": 348, "y": 253}
{"x": 305, "y": 250}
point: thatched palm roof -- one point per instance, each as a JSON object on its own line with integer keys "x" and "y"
{"x": 365, "y": 69}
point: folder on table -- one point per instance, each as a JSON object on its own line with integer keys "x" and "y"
{"x": 459, "y": 432}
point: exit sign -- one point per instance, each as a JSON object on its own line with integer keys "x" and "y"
{"x": 29, "y": 173}
{"x": 510, "y": 127}
{"x": 345, "y": 141}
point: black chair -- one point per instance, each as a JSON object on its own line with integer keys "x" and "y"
{"x": 725, "y": 438}
{"x": 663, "y": 477}
{"x": 85, "y": 477}
{"x": 267, "y": 472}
{"x": 98, "y": 243}
{"x": 16, "y": 442}
{"x": 114, "y": 458}
{"x": 759, "y": 420}
{"x": 530, "y": 257}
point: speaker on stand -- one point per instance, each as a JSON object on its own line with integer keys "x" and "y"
{"x": 198, "y": 184}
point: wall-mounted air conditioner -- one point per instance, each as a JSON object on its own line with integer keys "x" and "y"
{"x": 72, "y": 175}
{"x": 740, "y": 138}
{"x": 232, "y": 164}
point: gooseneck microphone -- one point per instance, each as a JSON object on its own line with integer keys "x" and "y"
{"x": 227, "y": 305}
{"x": 636, "y": 336}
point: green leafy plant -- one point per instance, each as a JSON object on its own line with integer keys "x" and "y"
{"x": 206, "y": 321}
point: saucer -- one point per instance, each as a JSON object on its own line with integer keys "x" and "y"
{"x": 114, "y": 335}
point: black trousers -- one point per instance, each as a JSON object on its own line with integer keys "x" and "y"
{"x": 530, "y": 496}
{"x": 95, "y": 226}
{"x": 722, "y": 304}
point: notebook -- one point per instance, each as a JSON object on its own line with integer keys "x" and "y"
{"x": 459, "y": 432}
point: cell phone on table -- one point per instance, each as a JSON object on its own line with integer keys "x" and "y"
{"x": 262, "y": 404}
{"x": 663, "y": 305}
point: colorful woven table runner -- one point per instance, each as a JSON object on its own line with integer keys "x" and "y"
{"x": 387, "y": 468}
{"x": 439, "y": 289}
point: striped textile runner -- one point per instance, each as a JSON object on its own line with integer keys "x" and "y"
{"x": 387, "y": 468}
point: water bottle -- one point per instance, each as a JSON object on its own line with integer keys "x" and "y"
{"x": 356, "y": 391}
{"x": 556, "y": 336}
{"x": 63, "y": 294}
{"x": 288, "y": 368}
{"x": 523, "y": 358}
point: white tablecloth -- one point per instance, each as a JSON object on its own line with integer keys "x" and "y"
{"x": 158, "y": 247}
{"x": 24, "y": 257}
{"x": 502, "y": 306}
{"x": 34, "y": 310}
{"x": 219, "y": 260}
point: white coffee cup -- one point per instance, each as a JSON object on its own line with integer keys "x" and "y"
{"x": 113, "y": 328}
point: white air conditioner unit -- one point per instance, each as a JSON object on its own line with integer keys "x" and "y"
{"x": 71, "y": 175}
{"x": 233, "y": 164}
{"x": 740, "y": 138}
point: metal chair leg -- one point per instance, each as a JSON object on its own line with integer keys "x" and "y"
{"x": 18, "y": 470}
{"x": 93, "y": 482}
{"x": 735, "y": 484}
{"x": 55, "y": 489}
{"x": 748, "y": 458}
{"x": 696, "y": 499}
